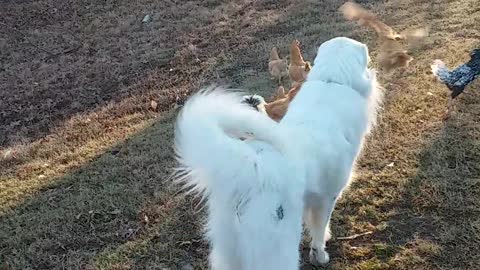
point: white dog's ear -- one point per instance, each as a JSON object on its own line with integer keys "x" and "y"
{"x": 363, "y": 56}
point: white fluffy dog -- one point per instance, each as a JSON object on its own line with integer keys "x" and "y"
{"x": 258, "y": 190}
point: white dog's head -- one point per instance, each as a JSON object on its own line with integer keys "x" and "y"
{"x": 344, "y": 61}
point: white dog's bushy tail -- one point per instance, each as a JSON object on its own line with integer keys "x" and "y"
{"x": 206, "y": 138}
{"x": 253, "y": 188}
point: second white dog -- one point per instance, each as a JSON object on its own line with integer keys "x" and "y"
{"x": 336, "y": 107}
{"x": 258, "y": 189}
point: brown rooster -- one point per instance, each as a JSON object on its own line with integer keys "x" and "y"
{"x": 298, "y": 68}
{"x": 276, "y": 66}
{"x": 392, "y": 52}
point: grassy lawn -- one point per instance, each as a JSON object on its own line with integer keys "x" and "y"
{"x": 84, "y": 156}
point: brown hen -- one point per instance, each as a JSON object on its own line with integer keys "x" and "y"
{"x": 392, "y": 52}
{"x": 279, "y": 106}
{"x": 298, "y": 68}
{"x": 276, "y": 66}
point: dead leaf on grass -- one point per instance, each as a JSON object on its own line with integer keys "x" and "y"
{"x": 147, "y": 19}
{"x": 145, "y": 219}
{"x": 7, "y": 154}
{"x": 153, "y": 105}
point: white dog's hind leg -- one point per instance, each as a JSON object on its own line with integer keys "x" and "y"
{"x": 317, "y": 219}
{"x": 217, "y": 261}
{"x": 224, "y": 259}
{"x": 223, "y": 255}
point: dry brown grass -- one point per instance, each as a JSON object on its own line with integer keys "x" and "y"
{"x": 84, "y": 158}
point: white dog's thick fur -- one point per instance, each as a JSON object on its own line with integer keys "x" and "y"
{"x": 257, "y": 190}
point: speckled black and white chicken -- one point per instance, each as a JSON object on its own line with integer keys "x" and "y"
{"x": 456, "y": 80}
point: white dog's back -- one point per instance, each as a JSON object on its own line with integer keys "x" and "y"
{"x": 337, "y": 105}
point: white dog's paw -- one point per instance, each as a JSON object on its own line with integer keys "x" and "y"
{"x": 318, "y": 257}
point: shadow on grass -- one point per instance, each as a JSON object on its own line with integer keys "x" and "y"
{"x": 102, "y": 213}
{"x": 441, "y": 201}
